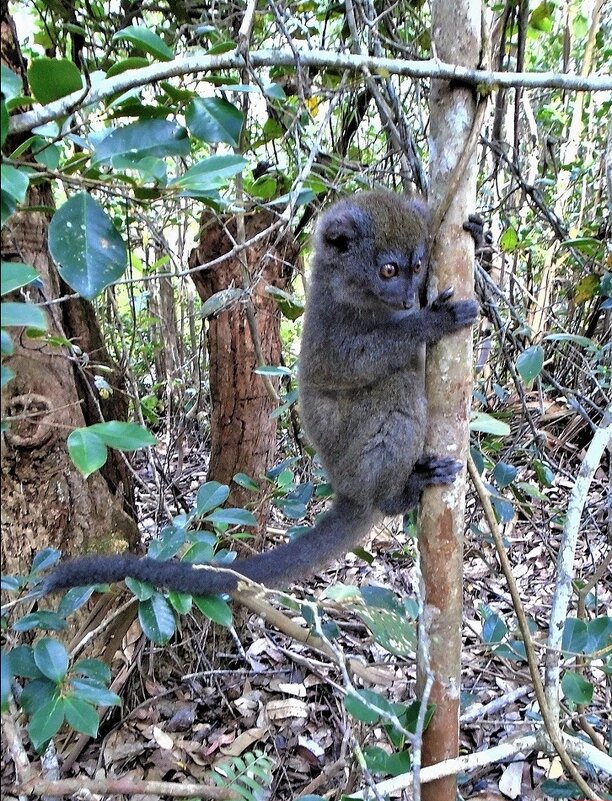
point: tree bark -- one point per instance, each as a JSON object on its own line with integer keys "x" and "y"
{"x": 243, "y": 432}
{"x": 45, "y": 500}
{"x": 456, "y": 34}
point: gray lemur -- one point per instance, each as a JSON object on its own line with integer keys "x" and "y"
{"x": 362, "y": 395}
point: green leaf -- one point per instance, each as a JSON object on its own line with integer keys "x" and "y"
{"x": 122, "y": 436}
{"x": 4, "y": 122}
{"x": 211, "y": 495}
{"x": 245, "y": 481}
{"x": 379, "y": 761}
{"x": 574, "y": 338}
{"x": 46, "y": 722}
{"x": 37, "y": 693}
{"x": 218, "y": 610}
{"x": 599, "y": 634}
{"x": 290, "y": 305}
{"x": 558, "y": 789}
{"x": 145, "y": 40}
{"x": 81, "y": 716}
{"x": 386, "y": 618}
{"x": 272, "y": 370}
{"x": 14, "y": 187}
{"x": 40, "y": 620}
{"x": 530, "y": 363}
{"x": 481, "y": 421}
{"x": 200, "y": 553}
{"x": 504, "y": 474}
{"x": 360, "y": 710}
{"x": 181, "y": 601}
{"x": 52, "y": 78}
{"x": 86, "y": 450}
{"x": 132, "y": 63}
{"x": 94, "y": 692}
{"x": 575, "y": 689}
{"x": 15, "y": 275}
{"x": 541, "y": 17}
{"x": 22, "y": 662}
{"x": 222, "y": 299}
{"x": 12, "y": 85}
{"x": 74, "y": 599}
{"x": 25, "y": 315}
{"x": 508, "y": 240}
{"x": 575, "y": 636}
{"x": 232, "y": 517}
{"x": 51, "y": 659}
{"x": 214, "y": 119}
{"x": 45, "y": 558}
{"x": 6, "y": 677}
{"x": 141, "y": 589}
{"x": 93, "y": 669}
{"x": 88, "y": 250}
{"x": 157, "y": 619}
{"x": 494, "y": 629}
{"x": 144, "y": 139}
{"x": 211, "y": 173}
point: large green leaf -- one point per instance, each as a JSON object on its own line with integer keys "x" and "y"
{"x": 94, "y": 692}
{"x": 210, "y": 173}
{"x": 530, "y": 363}
{"x": 25, "y": 315}
{"x": 15, "y": 275}
{"x": 51, "y": 659}
{"x": 81, "y": 716}
{"x": 45, "y": 722}
{"x": 86, "y": 450}
{"x": 211, "y": 495}
{"x": 12, "y": 85}
{"x": 157, "y": 619}
{"x": 576, "y": 689}
{"x": 481, "y": 421}
{"x": 52, "y": 78}
{"x": 14, "y": 187}
{"x": 88, "y": 250}
{"x": 123, "y": 436}
{"x": 146, "y": 138}
{"x": 218, "y": 610}
{"x": 145, "y": 40}
{"x": 232, "y": 517}
{"x": 214, "y": 119}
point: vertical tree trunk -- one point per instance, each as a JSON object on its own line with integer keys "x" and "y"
{"x": 45, "y": 500}
{"x": 242, "y": 430}
{"x": 456, "y": 31}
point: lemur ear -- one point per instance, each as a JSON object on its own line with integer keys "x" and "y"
{"x": 341, "y": 225}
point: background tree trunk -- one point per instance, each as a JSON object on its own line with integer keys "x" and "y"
{"x": 74, "y": 514}
{"x": 243, "y": 433}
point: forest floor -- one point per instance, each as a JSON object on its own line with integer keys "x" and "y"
{"x": 211, "y": 696}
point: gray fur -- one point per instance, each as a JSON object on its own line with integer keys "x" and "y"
{"x": 362, "y": 395}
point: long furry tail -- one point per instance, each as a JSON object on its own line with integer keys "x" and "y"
{"x": 336, "y": 533}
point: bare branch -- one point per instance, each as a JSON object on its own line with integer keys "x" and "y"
{"x": 485, "y": 80}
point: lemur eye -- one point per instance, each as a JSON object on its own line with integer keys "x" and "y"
{"x": 389, "y": 270}
{"x": 417, "y": 266}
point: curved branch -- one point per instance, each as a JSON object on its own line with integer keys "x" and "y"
{"x": 184, "y": 65}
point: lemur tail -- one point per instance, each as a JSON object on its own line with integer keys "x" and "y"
{"x": 336, "y": 533}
